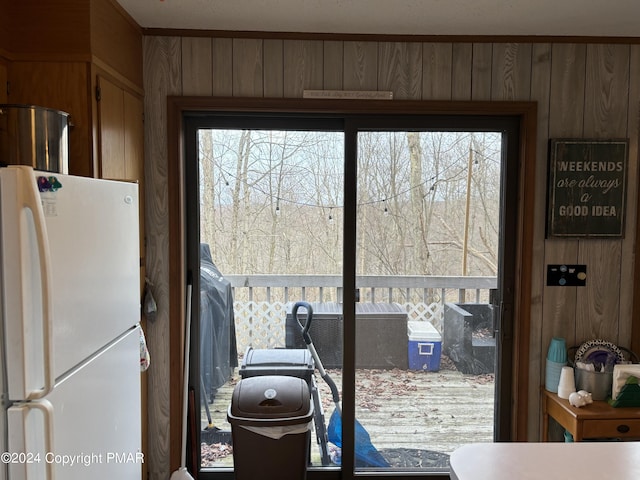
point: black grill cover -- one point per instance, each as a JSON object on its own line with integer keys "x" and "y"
{"x": 218, "y": 350}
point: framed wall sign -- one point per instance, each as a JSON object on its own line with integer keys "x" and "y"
{"x": 587, "y": 187}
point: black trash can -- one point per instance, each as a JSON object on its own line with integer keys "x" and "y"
{"x": 277, "y": 361}
{"x": 270, "y": 419}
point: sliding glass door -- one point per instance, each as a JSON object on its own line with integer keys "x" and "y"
{"x": 392, "y": 228}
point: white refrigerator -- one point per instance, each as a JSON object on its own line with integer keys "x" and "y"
{"x": 70, "y": 349}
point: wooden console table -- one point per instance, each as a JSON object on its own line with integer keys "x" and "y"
{"x": 596, "y": 420}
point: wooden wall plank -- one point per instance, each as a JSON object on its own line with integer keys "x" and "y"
{"x": 247, "y": 67}
{"x": 360, "y": 66}
{"x": 481, "y": 71}
{"x": 222, "y": 66}
{"x": 567, "y": 90}
{"x": 437, "y": 71}
{"x": 598, "y": 304}
{"x": 332, "y": 70}
{"x": 197, "y": 78}
{"x": 162, "y": 59}
{"x": 400, "y": 69}
{"x": 294, "y": 68}
{"x": 303, "y": 66}
{"x": 511, "y": 72}
{"x": 461, "y": 72}
{"x": 607, "y": 87}
{"x": 274, "y": 68}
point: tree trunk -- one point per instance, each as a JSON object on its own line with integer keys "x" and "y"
{"x": 207, "y": 190}
{"x": 421, "y": 248}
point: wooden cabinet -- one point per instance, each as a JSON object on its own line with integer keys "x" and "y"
{"x": 596, "y": 420}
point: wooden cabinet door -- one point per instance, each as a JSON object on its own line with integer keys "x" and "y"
{"x": 111, "y": 132}
{"x": 120, "y": 132}
{"x": 3, "y": 83}
{"x": 133, "y": 137}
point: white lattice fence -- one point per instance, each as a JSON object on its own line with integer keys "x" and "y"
{"x": 263, "y": 324}
{"x": 432, "y": 312}
{"x": 260, "y": 324}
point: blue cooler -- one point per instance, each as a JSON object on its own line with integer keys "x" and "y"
{"x": 425, "y": 346}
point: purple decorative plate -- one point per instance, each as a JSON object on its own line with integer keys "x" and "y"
{"x": 599, "y": 352}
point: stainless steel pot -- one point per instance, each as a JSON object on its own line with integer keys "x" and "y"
{"x": 35, "y": 136}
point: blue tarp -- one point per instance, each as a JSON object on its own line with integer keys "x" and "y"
{"x": 366, "y": 454}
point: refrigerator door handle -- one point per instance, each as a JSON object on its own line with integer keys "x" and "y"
{"x": 29, "y": 198}
{"x": 19, "y": 443}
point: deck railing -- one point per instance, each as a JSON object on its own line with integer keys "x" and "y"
{"x": 260, "y": 301}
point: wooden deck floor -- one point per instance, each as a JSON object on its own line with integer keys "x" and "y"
{"x": 401, "y": 409}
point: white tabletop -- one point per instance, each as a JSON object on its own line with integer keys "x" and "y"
{"x": 546, "y": 461}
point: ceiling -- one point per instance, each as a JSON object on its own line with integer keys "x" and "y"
{"x": 616, "y": 18}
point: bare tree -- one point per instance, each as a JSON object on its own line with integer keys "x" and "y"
{"x": 422, "y": 226}
{"x": 207, "y": 188}
{"x": 278, "y": 201}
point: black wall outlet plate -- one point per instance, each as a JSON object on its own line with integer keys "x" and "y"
{"x": 566, "y": 275}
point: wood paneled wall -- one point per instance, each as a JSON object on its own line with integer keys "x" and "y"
{"x": 582, "y": 90}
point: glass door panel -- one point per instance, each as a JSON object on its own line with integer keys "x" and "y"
{"x": 270, "y": 235}
{"x": 428, "y": 229}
